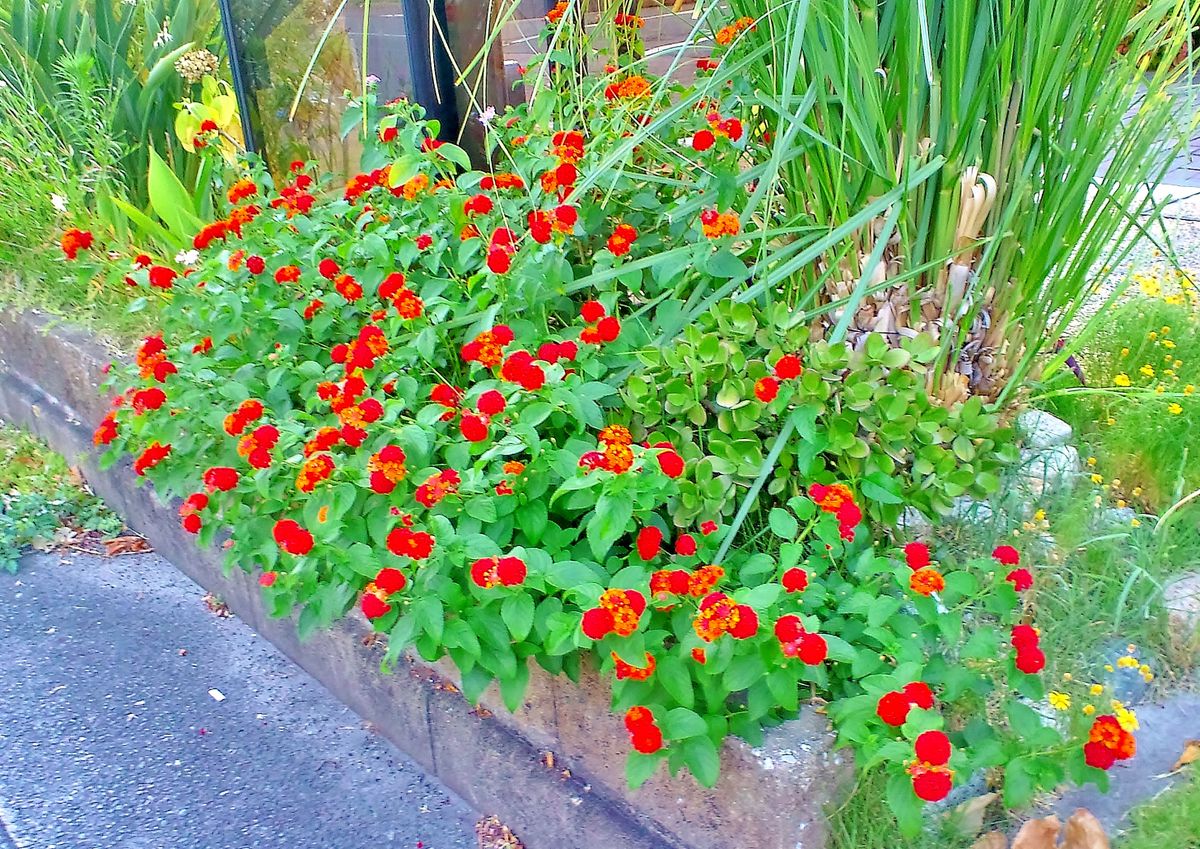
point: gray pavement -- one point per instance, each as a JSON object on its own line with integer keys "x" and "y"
{"x": 109, "y": 738}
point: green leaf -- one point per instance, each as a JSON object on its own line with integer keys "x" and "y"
{"x": 701, "y": 756}
{"x": 681, "y": 723}
{"x": 639, "y": 767}
{"x": 517, "y": 613}
{"x": 1019, "y": 784}
{"x": 672, "y": 673}
{"x": 170, "y": 200}
{"x": 610, "y": 520}
{"x": 783, "y": 524}
{"x": 454, "y": 153}
{"x": 512, "y": 687}
{"x": 904, "y": 804}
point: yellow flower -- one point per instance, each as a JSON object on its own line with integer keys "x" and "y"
{"x": 1137, "y": 491}
{"x": 1128, "y": 662}
{"x": 1147, "y": 370}
{"x": 1174, "y": 409}
{"x": 1127, "y": 718}
{"x": 1152, "y": 336}
{"x": 1097, "y": 478}
{"x": 1189, "y": 389}
{"x": 1096, "y": 689}
{"x": 1144, "y": 669}
{"x": 1091, "y": 461}
{"x": 1168, "y": 343}
{"x": 1108, "y": 667}
{"x": 1039, "y": 515}
{"x": 1122, "y": 379}
{"x": 1164, "y": 330}
{"x": 1160, "y": 389}
{"x": 1059, "y": 701}
{"x": 1135, "y": 523}
{"x": 1121, "y": 504}
{"x": 1111, "y": 421}
{"x": 1088, "y": 710}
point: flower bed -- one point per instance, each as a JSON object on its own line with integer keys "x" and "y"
{"x": 554, "y": 770}
{"x": 391, "y": 399}
{"x": 618, "y": 402}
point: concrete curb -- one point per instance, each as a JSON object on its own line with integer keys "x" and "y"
{"x": 769, "y": 798}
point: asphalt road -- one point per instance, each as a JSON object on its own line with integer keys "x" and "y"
{"x": 110, "y": 739}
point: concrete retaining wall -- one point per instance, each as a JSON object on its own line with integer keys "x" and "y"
{"x": 768, "y": 798}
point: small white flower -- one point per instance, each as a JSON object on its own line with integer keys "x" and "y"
{"x": 59, "y": 202}
{"x": 187, "y": 258}
{"x": 487, "y": 116}
{"x": 164, "y": 34}
{"x": 372, "y": 79}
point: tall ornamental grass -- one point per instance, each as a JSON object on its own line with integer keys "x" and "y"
{"x": 952, "y": 167}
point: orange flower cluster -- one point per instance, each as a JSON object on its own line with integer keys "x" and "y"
{"x": 717, "y": 224}
{"x": 634, "y": 673}
{"x": 644, "y": 735}
{"x": 152, "y": 359}
{"x": 437, "y": 487}
{"x": 376, "y": 594}
{"x": 502, "y": 181}
{"x": 624, "y": 19}
{"x": 242, "y": 189}
{"x": 601, "y": 328}
{"x": 838, "y": 500}
{"x": 490, "y": 572}
{"x": 619, "y": 612}
{"x": 1108, "y": 743}
{"x": 932, "y": 780}
{"x": 719, "y": 614}
{"x": 189, "y": 512}
{"x": 154, "y": 454}
{"x": 75, "y": 240}
{"x": 634, "y": 87}
{"x": 555, "y": 14}
{"x": 795, "y": 641}
{"x": 386, "y": 468}
{"x": 726, "y": 34}
{"x": 514, "y": 468}
{"x": 248, "y": 412}
{"x": 681, "y": 582}
{"x": 405, "y": 542}
{"x": 106, "y": 431}
{"x": 487, "y": 348}
{"x": 615, "y": 454}
{"x": 567, "y": 146}
{"x": 622, "y": 239}
{"x": 313, "y": 471}
{"x": 256, "y": 446}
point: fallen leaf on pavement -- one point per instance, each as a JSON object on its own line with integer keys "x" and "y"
{"x": 1083, "y": 831}
{"x": 991, "y": 840}
{"x": 1191, "y": 754}
{"x": 494, "y": 834}
{"x": 1037, "y": 834}
{"x": 968, "y": 817}
{"x": 127, "y": 544}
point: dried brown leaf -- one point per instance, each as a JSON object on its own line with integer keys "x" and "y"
{"x": 991, "y": 840}
{"x": 127, "y": 544}
{"x": 494, "y": 834}
{"x": 1191, "y": 754}
{"x": 968, "y": 817}
{"x": 1083, "y": 831}
{"x": 1038, "y": 834}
